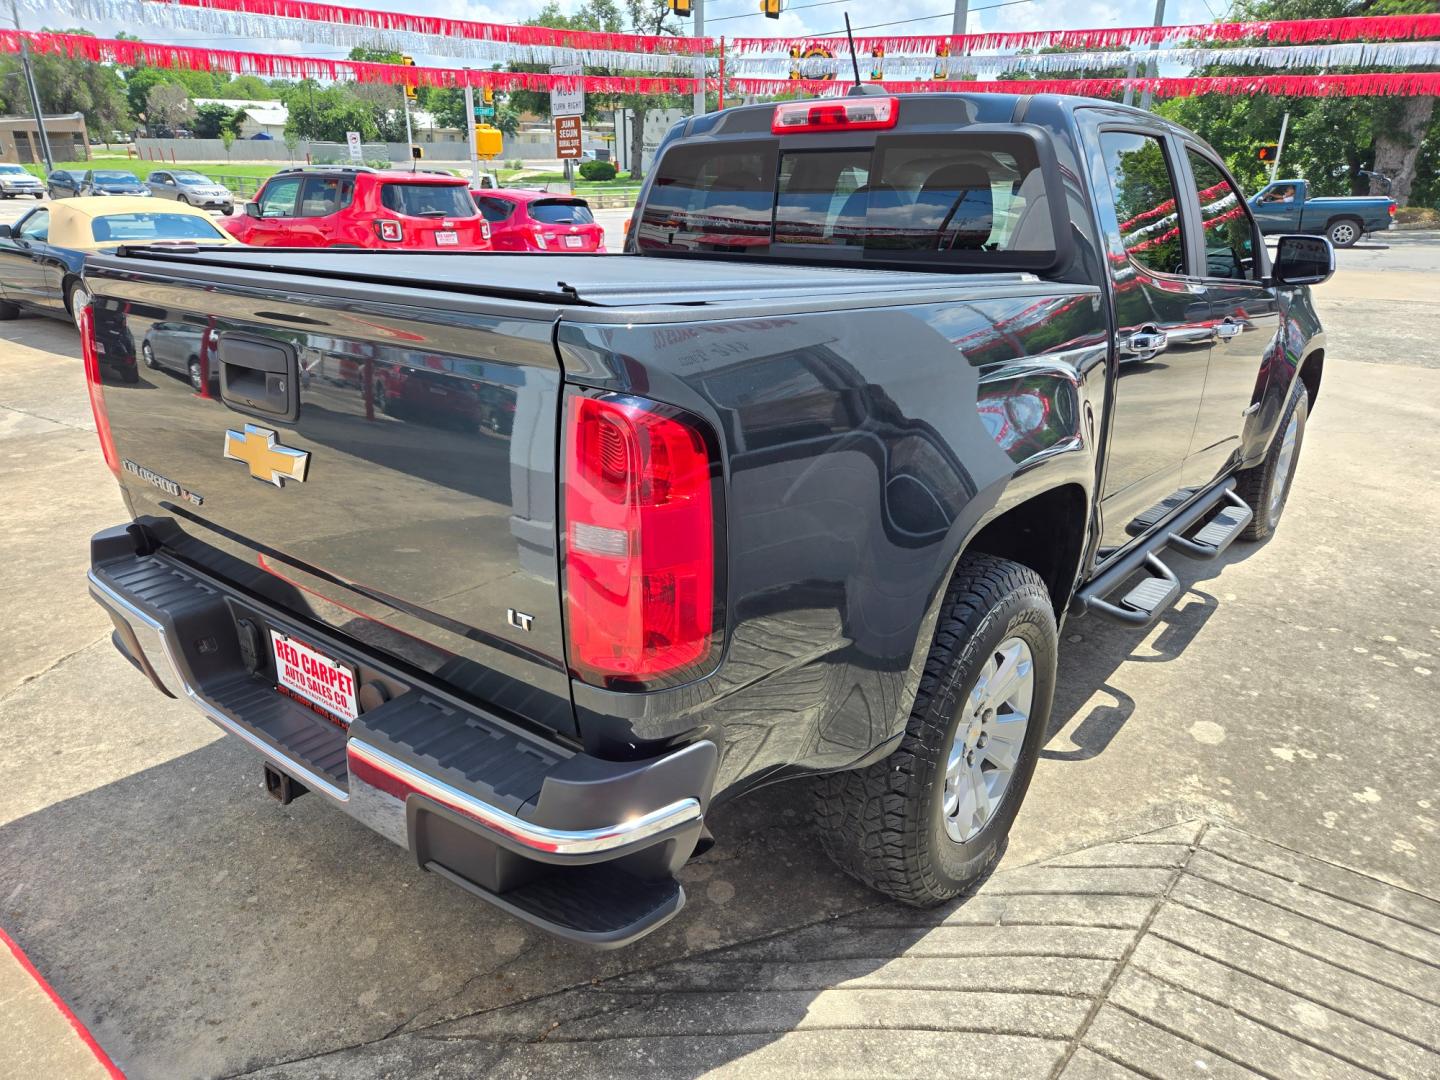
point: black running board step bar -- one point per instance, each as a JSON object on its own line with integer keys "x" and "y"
{"x": 1218, "y": 533}
{"x": 1162, "y": 588}
{"x": 1147, "y": 599}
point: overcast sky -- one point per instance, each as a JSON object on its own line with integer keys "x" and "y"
{"x": 741, "y": 18}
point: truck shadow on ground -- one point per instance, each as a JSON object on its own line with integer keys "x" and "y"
{"x": 1093, "y": 648}
{"x": 201, "y": 929}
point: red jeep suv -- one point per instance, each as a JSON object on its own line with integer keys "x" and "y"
{"x": 356, "y": 206}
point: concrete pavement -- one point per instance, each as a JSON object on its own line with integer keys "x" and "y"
{"x": 200, "y": 930}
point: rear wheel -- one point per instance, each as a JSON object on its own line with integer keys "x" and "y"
{"x": 193, "y": 366}
{"x": 147, "y": 353}
{"x": 1343, "y": 233}
{"x": 930, "y": 820}
{"x": 1266, "y": 487}
{"x": 8, "y": 311}
{"x": 77, "y": 299}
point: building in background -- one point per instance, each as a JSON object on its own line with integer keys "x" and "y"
{"x": 20, "y": 141}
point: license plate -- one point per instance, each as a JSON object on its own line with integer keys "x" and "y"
{"x": 574, "y": 241}
{"x": 446, "y": 238}
{"x": 314, "y": 676}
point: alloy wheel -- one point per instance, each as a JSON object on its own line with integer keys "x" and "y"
{"x": 988, "y": 740}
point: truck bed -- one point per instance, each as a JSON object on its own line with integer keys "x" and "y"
{"x": 604, "y": 281}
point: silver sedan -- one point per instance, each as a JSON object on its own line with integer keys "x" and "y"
{"x": 192, "y": 188}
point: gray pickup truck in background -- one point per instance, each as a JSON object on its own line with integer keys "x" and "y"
{"x": 801, "y": 487}
{"x": 1286, "y": 206}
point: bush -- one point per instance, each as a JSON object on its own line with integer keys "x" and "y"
{"x": 597, "y": 170}
{"x": 1423, "y": 216}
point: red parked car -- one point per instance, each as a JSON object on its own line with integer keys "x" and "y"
{"x": 538, "y": 221}
{"x": 356, "y": 206}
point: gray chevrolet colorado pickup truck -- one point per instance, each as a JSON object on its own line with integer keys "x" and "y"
{"x": 528, "y": 561}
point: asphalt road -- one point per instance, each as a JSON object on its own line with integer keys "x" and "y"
{"x": 200, "y": 929}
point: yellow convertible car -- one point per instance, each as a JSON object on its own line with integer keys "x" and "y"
{"x": 42, "y": 256}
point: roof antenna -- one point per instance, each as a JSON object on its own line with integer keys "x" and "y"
{"x": 859, "y": 87}
{"x": 855, "y": 63}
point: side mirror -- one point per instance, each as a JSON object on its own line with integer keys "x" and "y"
{"x": 5, "y": 232}
{"x": 1303, "y": 260}
{"x": 252, "y": 209}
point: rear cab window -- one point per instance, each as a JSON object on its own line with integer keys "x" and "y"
{"x": 147, "y": 225}
{"x": 968, "y": 199}
{"x": 1228, "y": 229}
{"x": 426, "y": 200}
{"x": 561, "y": 212}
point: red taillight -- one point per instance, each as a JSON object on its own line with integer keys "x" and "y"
{"x": 848, "y": 114}
{"x": 640, "y": 550}
{"x": 389, "y": 229}
{"x": 91, "y": 353}
{"x": 1392, "y": 209}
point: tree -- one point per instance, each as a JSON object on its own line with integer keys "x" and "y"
{"x": 1394, "y": 136}
{"x": 327, "y": 114}
{"x": 212, "y": 120}
{"x": 67, "y": 86}
{"x": 168, "y": 106}
{"x": 227, "y": 138}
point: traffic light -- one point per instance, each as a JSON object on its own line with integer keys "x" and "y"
{"x": 417, "y": 152}
{"x": 681, "y": 8}
{"x": 771, "y": 9}
{"x": 489, "y": 141}
{"x": 1268, "y": 152}
{"x": 487, "y": 95}
{"x": 877, "y": 64}
{"x": 408, "y": 61}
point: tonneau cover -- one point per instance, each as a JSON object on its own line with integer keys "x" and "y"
{"x": 586, "y": 280}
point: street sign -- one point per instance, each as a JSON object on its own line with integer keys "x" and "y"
{"x": 357, "y": 153}
{"x": 567, "y": 102}
{"x": 484, "y": 112}
{"x": 567, "y": 136}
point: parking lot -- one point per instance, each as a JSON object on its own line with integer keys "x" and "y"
{"x": 1227, "y": 860}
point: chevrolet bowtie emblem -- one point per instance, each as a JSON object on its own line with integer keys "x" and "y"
{"x": 268, "y": 461}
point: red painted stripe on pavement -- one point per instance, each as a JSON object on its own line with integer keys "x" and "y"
{"x": 55, "y": 999}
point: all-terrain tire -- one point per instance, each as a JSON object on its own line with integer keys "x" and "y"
{"x": 884, "y": 824}
{"x": 1266, "y": 487}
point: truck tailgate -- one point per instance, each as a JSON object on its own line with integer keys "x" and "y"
{"x": 384, "y": 469}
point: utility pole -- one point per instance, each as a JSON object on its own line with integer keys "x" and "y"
{"x": 470, "y": 126}
{"x": 41, "y": 136}
{"x": 1279, "y": 148}
{"x": 697, "y": 12}
{"x": 957, "y": 28}
{"x": 962, "y": 13}
{"x": 1152, "y": 70}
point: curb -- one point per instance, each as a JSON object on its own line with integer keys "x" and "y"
{"x": 101, "y": 1057}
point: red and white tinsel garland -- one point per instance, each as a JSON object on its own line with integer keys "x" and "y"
{"x": 1289, "y": 32}
{"x": 348, "y": 27}
{"x": 274, "y": 66}
{"x": 1370, "y": 84}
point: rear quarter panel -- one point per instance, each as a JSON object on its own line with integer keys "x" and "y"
{"x": 861, "y": 449}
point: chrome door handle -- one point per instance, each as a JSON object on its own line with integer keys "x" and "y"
{"x": 1227, "y": 329}
{"x": 1145, "y": 342}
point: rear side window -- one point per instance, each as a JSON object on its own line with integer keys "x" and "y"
{"x": 1145, "y": 200}
{"x": 494, "y": 210}
{"x": 561, "y": 212}
{"x": 427, "y": 200}
{"x": 971, "y": 198}
{"x": 1229, "y": 233}
{"x": 325, "y": 195}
